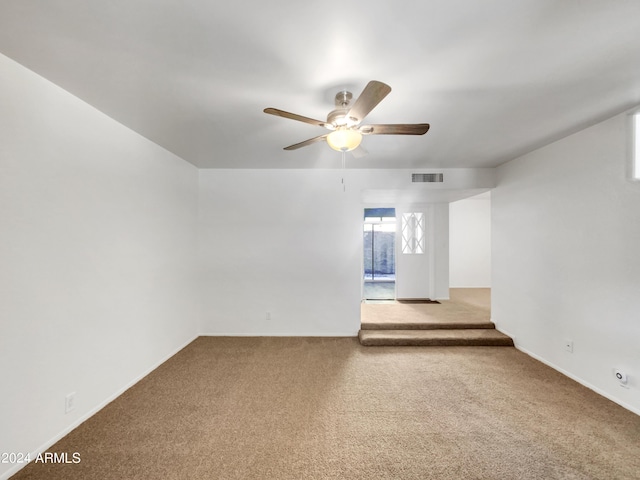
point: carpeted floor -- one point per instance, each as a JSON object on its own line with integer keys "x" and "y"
{"x": 328, "y": 408}
{"x": 477, "y": 297}
{"x": 466, "y": 306}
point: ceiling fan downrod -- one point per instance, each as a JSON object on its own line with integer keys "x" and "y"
{"x": 343, "y": 99}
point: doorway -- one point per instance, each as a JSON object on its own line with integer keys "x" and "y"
{"x": 379, "y": 247}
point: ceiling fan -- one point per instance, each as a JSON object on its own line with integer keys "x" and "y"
{"x": 345, "y": 121}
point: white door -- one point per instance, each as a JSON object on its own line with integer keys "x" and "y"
{"x": 413, "y": 248}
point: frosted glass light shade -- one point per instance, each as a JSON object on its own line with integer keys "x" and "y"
{"x": 344, "y": 140}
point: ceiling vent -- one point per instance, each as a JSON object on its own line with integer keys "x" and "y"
{"x": 427, "y": 177}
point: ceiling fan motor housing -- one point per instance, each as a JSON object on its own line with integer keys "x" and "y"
{"x": 338, "y": 117}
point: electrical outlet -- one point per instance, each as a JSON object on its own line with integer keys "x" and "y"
{"x": 621, "y": 376}
{"x": 268, "y": 316}
{"x": 568, "y": 346}
{"x": 70, "y": 402}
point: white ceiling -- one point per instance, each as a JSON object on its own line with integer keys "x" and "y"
{"x": 494, "y": 78}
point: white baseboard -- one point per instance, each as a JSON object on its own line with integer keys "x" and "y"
{"x": 280, "y": 334}
{"x": 42, "y": 448}
{"x": 472, "y": 286}
{"x": 573, "y": 377}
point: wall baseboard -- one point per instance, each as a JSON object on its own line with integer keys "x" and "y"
{"x": 470, "y": 286}
{"x": 279, "y": 334}
{"x": 43, "y": 448}
{"x": 573, "y": 377}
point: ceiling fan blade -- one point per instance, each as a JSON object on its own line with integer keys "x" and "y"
{"x": 306, "y": 142}
{"x": 395, "y": 129}
{"x": 293, "y": 116}
{"x": 371, "y": 96}
{"x": 359, "y": 152}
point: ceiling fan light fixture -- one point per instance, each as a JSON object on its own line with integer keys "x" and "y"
{"x": 344, "y": 140}
{"x": 345, "y": 120}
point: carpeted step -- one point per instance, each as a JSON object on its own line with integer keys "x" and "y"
{"x": 426, "y": 325}
{"x": 451, "y": 337}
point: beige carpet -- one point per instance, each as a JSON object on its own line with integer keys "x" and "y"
{"x": 466, "y": 308}
{"x": 481, "y": 337}
{"x": 423, "y": 315}
{"x": 463, "y": 320}
{"x": 478, "y": 297}
{"x": 327, "y": 408}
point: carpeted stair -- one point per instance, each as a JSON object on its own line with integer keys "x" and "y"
{"x": 428, "y": 324}
{"x": 449, "y": 324}
{"x": 436, "y": 337}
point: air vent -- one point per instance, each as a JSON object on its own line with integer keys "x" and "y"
{"x": 427, "y": 177}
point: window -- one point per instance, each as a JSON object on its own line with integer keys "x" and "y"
{"x": 413, "y": 232}
{"x": 379, "y": 248}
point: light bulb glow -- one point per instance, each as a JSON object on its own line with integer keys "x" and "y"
{"x": 344, "y": 140}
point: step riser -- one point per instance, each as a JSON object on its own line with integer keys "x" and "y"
{"x": 470, "y": 337}
{"x": 435, "y": 343}
{"x": 425, "y": 326}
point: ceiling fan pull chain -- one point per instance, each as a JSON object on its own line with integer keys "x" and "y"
{"x": 344, "y": 162}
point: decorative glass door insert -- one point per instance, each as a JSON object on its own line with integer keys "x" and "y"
{"x": 413, "y": 233}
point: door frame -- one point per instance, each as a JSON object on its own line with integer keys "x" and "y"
{"x": 395, "y": 247}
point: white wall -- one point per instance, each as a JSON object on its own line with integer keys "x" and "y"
{"x": 284, "y": 242}
{"x": 470, "y": 242}
{"x": 289, "y": 242}
{"x": 566, "y": 231}
{"x": 440, "y": 251}
{"x": 97, "y": 251}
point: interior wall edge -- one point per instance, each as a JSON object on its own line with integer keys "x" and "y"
{"x": 575, "y": 378}
{"x": 69, "y": 428}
